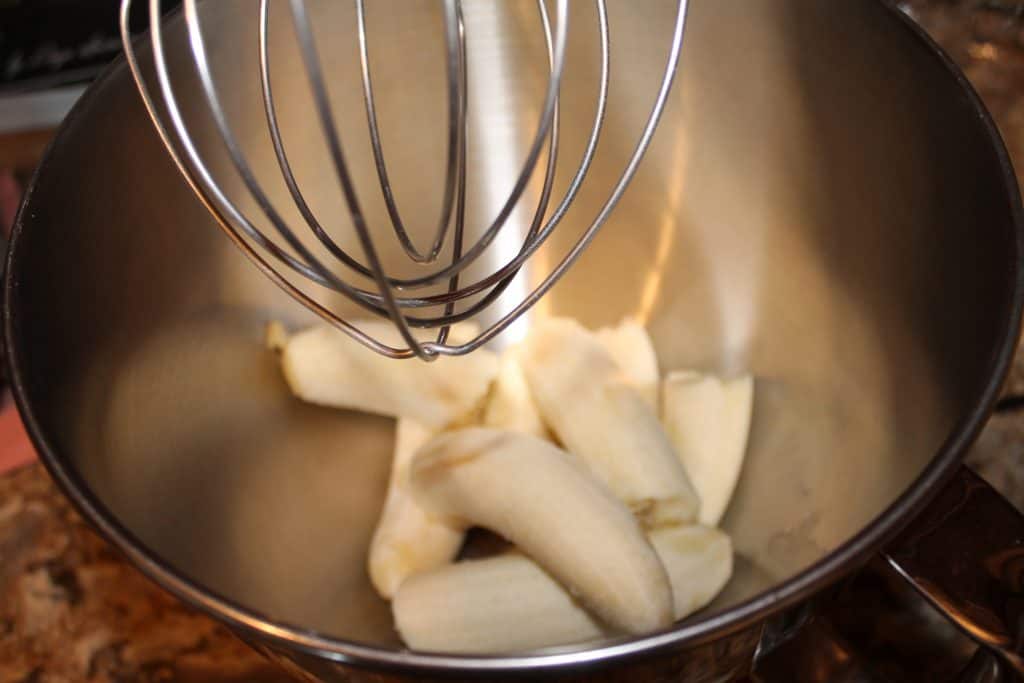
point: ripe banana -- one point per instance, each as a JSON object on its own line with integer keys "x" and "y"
{"x": 275, "y": 336}
{"x": 631, "y": 348}
{"x": 407, "y": 540}
{"x": 509, "y": 604}
{"x": 708, "y": 419}
{"x": 325, "y": 366}
{"x": 605, "y": 421}
{"x": 510, "y": 405}
{"x": 546, "y": 503}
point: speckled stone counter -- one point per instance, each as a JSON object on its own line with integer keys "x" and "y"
{"x": 986, "y": 38}
{"x": 72, "y": 610}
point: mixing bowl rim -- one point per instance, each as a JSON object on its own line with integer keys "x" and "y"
{"x": 742, "y": 616}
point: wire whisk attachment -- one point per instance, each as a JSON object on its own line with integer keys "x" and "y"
{"x": 286, "y": 258}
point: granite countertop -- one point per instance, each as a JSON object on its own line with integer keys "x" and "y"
{"x": 71, "y": 609}
{"x": 986, "y": 38}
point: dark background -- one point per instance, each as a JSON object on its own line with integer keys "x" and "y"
{"x": 47, "y": 43}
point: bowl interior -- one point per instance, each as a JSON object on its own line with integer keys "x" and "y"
{"x": 822, "y": 206}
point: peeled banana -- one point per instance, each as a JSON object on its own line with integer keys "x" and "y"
{"x": 599, "y": 416}
{"x": 708, "y": 419}
{"x": 407, "y": 540}
{"x": 583, "y": 567}
{"x": 509, "y": 604}
{"x": 631, "y": 348}
{"x": 325, "y": 366}
{"x": 539, "y": 498}
{"x": 275, "y": 336}
{"x": 510, "y": 405}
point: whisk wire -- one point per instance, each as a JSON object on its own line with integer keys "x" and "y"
{"x": 198, "y": 177}
{"x": 314, "y": 74}
{"x": 505, "y": 275}
{"x": 644, "y": 142}
{"x": 284, "y": 165}
{"x": 454, "y": 69}
{"x": 460, "y": 197}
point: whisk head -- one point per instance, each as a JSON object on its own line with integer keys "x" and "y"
{"x": 439, "y": 296}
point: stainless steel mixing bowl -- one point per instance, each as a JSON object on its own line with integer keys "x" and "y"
{"x": 826, "y": 204}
